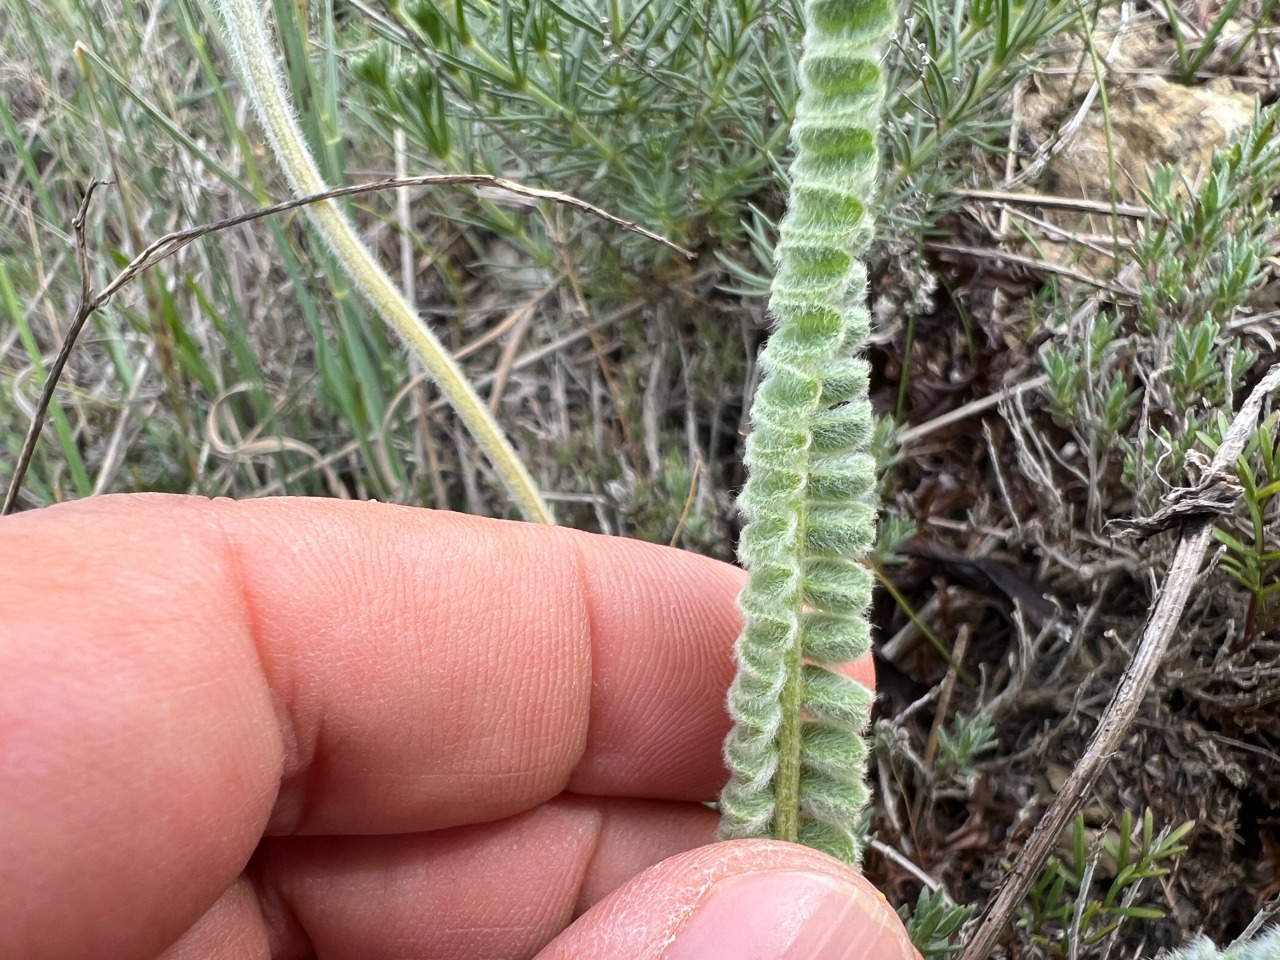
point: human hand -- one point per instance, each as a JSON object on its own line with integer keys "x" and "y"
{"x": 293, "y": 728}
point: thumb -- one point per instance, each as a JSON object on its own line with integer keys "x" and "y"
{"x": 742, "y": 900}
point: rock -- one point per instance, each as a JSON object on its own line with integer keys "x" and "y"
{"x": 1153, "y": 121}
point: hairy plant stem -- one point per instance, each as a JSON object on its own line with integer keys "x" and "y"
{"x": 796, "y": 754}
{"x": 786, "y": 785}
{"x": 255, "y": 59}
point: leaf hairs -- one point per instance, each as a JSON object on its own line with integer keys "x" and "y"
{"x": 796, "y": 753}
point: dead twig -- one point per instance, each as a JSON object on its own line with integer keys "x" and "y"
{"x": 1034, "y": 265}
{"x": 1053, "y": 202}
{"x": 84, "y": 310}
{"x": 1196, "y": 533}
{"x": 918, "y": 432}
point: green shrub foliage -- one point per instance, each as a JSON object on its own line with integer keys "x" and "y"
{"x": 796, "y": 754}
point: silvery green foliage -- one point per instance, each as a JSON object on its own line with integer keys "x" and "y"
{"x": 1265, "y": 947}
{"x": 796, "y": 754}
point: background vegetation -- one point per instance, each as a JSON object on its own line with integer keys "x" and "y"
{"x": 1070, "y": 291}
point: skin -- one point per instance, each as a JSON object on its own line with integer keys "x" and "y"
{"x": 291, "y": 728}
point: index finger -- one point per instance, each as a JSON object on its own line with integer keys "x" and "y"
{"x": 391, "y": 663}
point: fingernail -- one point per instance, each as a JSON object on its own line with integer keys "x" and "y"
{"x": 772, "y": 915}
